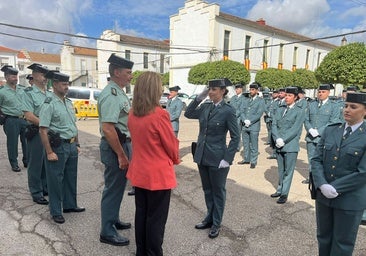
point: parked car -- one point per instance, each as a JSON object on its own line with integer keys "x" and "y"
{"x": 181, "y": 95}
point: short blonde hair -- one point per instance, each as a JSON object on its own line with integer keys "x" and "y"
{"x": 147, "y": 93}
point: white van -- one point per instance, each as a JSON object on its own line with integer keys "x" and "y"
{"x": 85, "y": 100}
{"x": 83, "y": 93}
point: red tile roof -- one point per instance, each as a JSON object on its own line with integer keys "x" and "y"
{"x": 44, "y": 57}
{"x": 85, "y": 51}
{"x": 5, "y": 49}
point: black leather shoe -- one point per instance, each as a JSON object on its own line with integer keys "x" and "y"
{"x": 58, "y": 219}
{"x": 131, "y": 192}
{"x": 25, "y": 165}
{"x": 282, "y": 200}
{"x": 276, "y": 195}
{"x": 305, "y": 181}
{"x": 363, "y": 222}
{"x": 203, "y": 225}
{"x": 214, "y": 232}
{"x": 252, "y": 166}
{"x": 16, "y": 169}
{"x": 114, "y": 240}
{"x": 243, "y": 162}
{"x": 77, "y": 209}
{"x": 40, "y": 200}
{"x": 122, "y": 225}
{"x": 45, "y": 193}
{"x": 272, "y": 157}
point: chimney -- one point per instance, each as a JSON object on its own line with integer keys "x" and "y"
{"x": 344, "y": 41}
{"x": 261, "y": 21}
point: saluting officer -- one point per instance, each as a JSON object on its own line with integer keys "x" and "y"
{"x": 286, "y": 131}
{"x": 113, "y": 109}
{"x": 339, "y": 174}
{"x": 174, "y": 108}
{"x": 59, "y": 135}
{"x": 250, "y": 116}
{"x": 33, "y": 99}
{"x": 319, "y": 115}
{"x": 212, "y": 155}
{"x": 13, "y": 118}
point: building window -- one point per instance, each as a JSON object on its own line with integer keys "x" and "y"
{"x": 318, "y": 61}
{"x": 96, "y": 65}
{"x": 265, "y": 54}
{"x": 128, "y": 55}
{"x": 162, "y": 57}
{"x": 4, "y": 61}
{"x": 307, "y": 59}
{"x": 280, "y": 57}
{"x": 83, "y": 67}
{"x": 294, "y": 59}
{"x": 247, "y": 46}
{"x": 21, "y": 67}
{"x": 226, "y": 44}
{"x": 146, "y": 60}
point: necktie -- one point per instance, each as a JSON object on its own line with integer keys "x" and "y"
{"x": 285, "y": 112}
{"x": 348, "y": 132}
{"x": 321, "y": 103}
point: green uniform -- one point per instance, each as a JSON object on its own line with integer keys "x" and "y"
{"x": 33, "y": 99}
{"x": 175, "y": 107}
{"x": 252, "y": 111}
{"x": 215, "y": 122}
{"x": 59, "y": 116}
{"x": 342, "y": 164}
{"x": 11, "y": 105}
{"x": 318, "y": 117}
{"x": 287, "y": 125}
{"x": 113, "y": 107}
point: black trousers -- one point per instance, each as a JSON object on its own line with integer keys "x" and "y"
{"x": 151, "y": 214}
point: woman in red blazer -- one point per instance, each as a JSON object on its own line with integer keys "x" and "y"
{"x": 155, "y": 151}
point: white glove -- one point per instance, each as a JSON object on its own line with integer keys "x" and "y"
{"x": 223, "y": 164}
{"x": 203, "y": 94}
{"x": 280, "y": 143}
{"x": 328, "y": 191}
{"x": 314, "y": 132}
{"x": 247, "y": 123}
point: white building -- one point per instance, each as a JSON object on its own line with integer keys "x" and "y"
{"x": 7, "y": 57}
{"x": 81, "y": 64}
{"x": 199, "y": 32}
{"x": 146, "y": 54}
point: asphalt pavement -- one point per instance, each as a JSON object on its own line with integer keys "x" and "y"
{"x": 253, "y": 224}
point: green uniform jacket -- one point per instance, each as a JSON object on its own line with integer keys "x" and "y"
{"x": 319, "y": 118}
{"x": 211, "y": 144}
{"x": 253, "y": 112}
{"x": 342, "y": 165}
{"x": 174, "y": 107}
{"x": 288, "y": 127}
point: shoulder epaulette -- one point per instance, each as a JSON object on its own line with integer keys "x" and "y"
{"x": 114, "y": 91}
{"x": 28, "y": 89}
{"x": 20, "y": 85}
{"x": 336, "y": 124}
{"x": 48, "y": 100}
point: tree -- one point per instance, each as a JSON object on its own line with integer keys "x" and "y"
{"x": 305, "y": 79}
{"x": 234, "y": 71}
{"x": 165, "y": 79}
{"x": 135, "y": 75}
{"x": 274, "y": 78}
{"x": 345, "y": 65}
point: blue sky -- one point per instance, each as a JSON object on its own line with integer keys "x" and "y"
{"x": 150, "y": 18}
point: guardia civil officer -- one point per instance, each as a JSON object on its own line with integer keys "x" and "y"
{"x": 339, "y": 174}
{"x": 250, "y": 116}
{"x": 286, "y": 131}
{"x": 59, "y": 135}
{"x": 301, "y": 102}
{"x": 212, "y": 154}
{"x": 236, "y": 101}
{"x": 174, "y": 107}
{"x": 33, "y": 99}
{"x": 13, "y": 119}
{"x": 115, "y": 152}
{"x": 319, "y": 115}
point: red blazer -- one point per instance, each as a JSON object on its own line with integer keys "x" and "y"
{"x": 155, "y": 150}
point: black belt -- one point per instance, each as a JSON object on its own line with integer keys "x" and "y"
{"x": 72, "y": 140}
{"x": 21, "y": 117}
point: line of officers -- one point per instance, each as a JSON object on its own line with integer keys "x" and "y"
{"x": 285, "y": 111}
{"x": 46, "y": 124}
